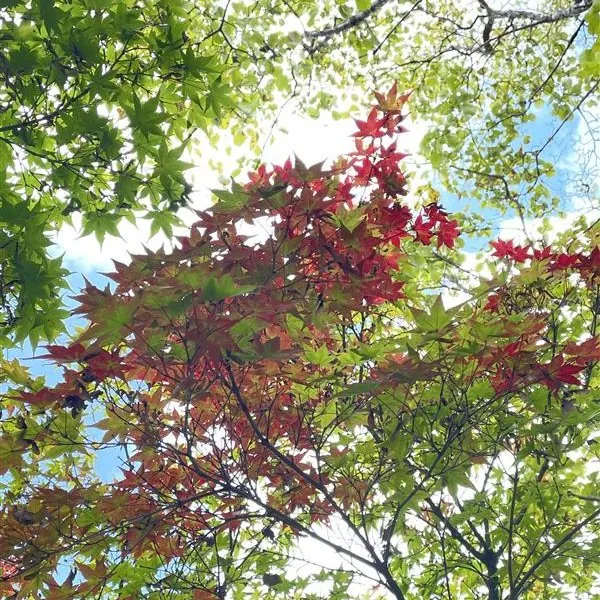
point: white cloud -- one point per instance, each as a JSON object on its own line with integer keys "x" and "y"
{"x": 545, "y": 230}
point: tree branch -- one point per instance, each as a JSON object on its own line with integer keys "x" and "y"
{"x": 352, "y": 21}
{"x": 538, "y": 18}
{"x": 548, "y": 554}
{"x": 379, "y": 564}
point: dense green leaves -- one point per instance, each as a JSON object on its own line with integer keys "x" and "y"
{"x": 91, "y": 91}
{"x": 99, "y": 102}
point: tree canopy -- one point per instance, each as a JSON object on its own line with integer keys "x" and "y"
{"x": 289, "y": 377}
{"x": 99, "y": 101}
{"x": 297, "y": 409}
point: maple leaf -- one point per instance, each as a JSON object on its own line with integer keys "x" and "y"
{"x": 502, "y": 249}
{"x": 567, "y": 372}
{"x": 103, "y": 364}
{"x": 520, "y": 253}
{"x": 258, "y": 179}
{"x": 423, "y": 230}
{"x": 557, "y": 372}
{"x": 364, "y": 171}
{"x": 589, "y": 265}
{"x": 435, "y": 212}
{"x": 543, "y": 254}
{"x": 585, "y": 351}
{"x": 506, "y": 249}
{"x": 564, "y": 261}
{"x": 398, "y": 216}
{"x": 392, "y": 102}
{"x": 66, "y": 354}
{"x": 372, "y": 127}
{"x": 493, "y": 302}
{"x": 447, "y": 233}
{"x": 44, "y": 397}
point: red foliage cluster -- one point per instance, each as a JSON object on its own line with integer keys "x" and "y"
{"x": 356, "y": 258}
{"x": 587, "y": 265}
{"x": 516, "y": 363}
{"x": 227, "y": 359}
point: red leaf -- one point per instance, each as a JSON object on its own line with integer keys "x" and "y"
{"x": 493, "y": 302}
{"x": 557, "y": 371}
{"x": 506, "y": 249}
{"x": 66, "y": 354}
{"x": 447, "y": 233}
{"x": 423, "y": 230}
{"x": 585, "y": 352}
{"x": 372, "y": 127}
{"x": 567, "y": 372}
{"x": 564, "y": 261}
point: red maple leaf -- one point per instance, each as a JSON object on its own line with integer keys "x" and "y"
{"x": 423, "y": 230}
{"x": 520, "y": 253}
{"x": 501, "y": 248}
{"x": 66, "y": 354}
{"x": 567, "y": 372}
{"x": 447, "y": 233}
{"x": 372, "y": 127}
{"x": 584, "y": 352}
{"x": 590, "y": 265}
{"x": 543, "y": 254}
{"x": 557, "y": 372}
{"x": 507, "y": 249}
{"x": 103, "y": 364}
{"x": 493, "y": 302}
{"x": 564, "y": 261}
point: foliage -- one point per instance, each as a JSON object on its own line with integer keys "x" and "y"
{"x": 288, "y": 378}
{"x": 496, "y": 82}
{"x": 88, "y": 97}
{"x": 100, "y": 100}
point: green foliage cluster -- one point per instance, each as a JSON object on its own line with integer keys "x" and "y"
{"x": 99, "y": 101}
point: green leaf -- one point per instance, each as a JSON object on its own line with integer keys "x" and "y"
{"x": 219, "y": 288}
{"x": 320, "y": 356}
{"x": 230, "y": 201}
{"x": 100, "y": 224}
{"x": 355, "y": 389}
{"x": 437, "y": 318}
{"x": 50, "y": 14}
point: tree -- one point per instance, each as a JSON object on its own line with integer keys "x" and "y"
{"x": 267, "y": 390}
{"x": 100, "y": 100}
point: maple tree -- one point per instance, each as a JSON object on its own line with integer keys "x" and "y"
{"x": 288, "y": 377}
